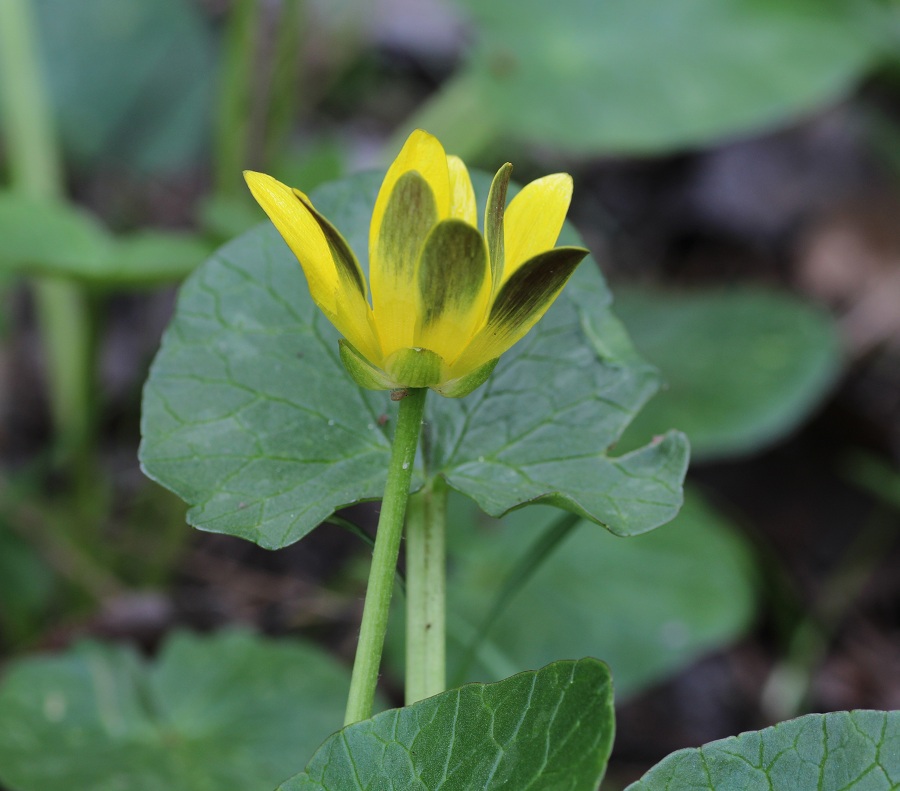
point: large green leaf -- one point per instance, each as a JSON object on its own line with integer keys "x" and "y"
{"x": 54, "y": 238}
{"x": 231, "y": 712}
{"x": 843, "y": 751}
{"x": 648, "y": 605}
{"x": 642, "y": 75}
{"x": 131, "y": 82}
{"x": 549, "y": 730}
{"x": 743, "y": 367}
{"x": 251, "y": 418}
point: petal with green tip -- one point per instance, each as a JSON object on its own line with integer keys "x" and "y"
{"x": 410, "y": 215}
{"x": 494, "y": 212}
{"x": 522, "y": 301}
{"x": 454, "y": 288}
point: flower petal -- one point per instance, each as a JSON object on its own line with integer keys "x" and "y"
{"x": 522, "y": 301}
{"x": 454, "y": 288}
{"x": 421, "y": 153}
{"x": 494, "y": 211}
{"x": 462, "y": 195}
{"x": 534, "y": 219}
{"x": 333, "y": 274}
{"x": 303, "y": 235}
{"x": 408, "y": 218}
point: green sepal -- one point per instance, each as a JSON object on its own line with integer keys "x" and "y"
{"x": 361, "y": 370}
{"x": 414, "y": 367}
{"x": 462, "y": 386}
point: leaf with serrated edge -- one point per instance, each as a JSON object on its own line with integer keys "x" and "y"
{"x": 250, "y": 416}
{"x": 547, "y": 729}
{"x": 842, "y": 751}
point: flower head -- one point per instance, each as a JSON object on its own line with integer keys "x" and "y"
{"x": 446, "y": 300}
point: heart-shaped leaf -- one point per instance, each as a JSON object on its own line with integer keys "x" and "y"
{"x": 640, "y": 75}
{"x": 231, "y": 712}
{"x": 842, "y": 751}
{"x": 549, "y": 729}
{"x": 743, "y": 367}
{"x": 250, "y": 416}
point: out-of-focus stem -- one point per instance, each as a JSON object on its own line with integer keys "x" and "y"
{"x": 37, "y": 171}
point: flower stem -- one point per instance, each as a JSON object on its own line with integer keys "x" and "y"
{"x": 426, "y": 643}
{"x": 36, "y": 170}
{"x": 384, "y": 558}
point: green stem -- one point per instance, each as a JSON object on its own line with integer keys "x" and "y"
{"x": 36, "y": 170}
{"x": 235, "y": 110}
{"x": 426, "y": 577}
{"x": 384, "y": 558}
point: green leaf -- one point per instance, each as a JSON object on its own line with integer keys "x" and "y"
{"x": 743, "y": 367}
{"x": 842, "y": 751}
{"x": 644, "y": 76}
{"x": 549, "y": 729}
{"x": 53, "y": 238}
{"x": 250, "y": 416}
{"x": 649, "y": 605}
{"x": 231, "y": 712}
{"x": 47, "y": 236}
{"x": 27, "y": 586}
{"x": 132, "y": 82}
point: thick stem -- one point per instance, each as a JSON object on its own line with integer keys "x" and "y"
{"x": 426, "y": 586}
{"x": 384, "y": 558}
{"x": 36, "y": 170}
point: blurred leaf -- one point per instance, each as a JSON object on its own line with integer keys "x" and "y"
{"x": 250, "y": 416}
{"x": 225, "y": 216}
{"x": 26, "y": 587}
{"x": 647, "y": 605}
{"x": 550, "y": 729}
{"x": 48, "y": 237}
{"x": 743, "y": 367}
{"x": 644, "y": 76}
{"x": 231, "y": 712}
{"x": 131, "y": 81}
{"x": 153, "y": 257}
{"x": 858, "y": 750}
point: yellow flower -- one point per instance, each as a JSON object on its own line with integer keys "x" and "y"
{"x": 447, "y": 301}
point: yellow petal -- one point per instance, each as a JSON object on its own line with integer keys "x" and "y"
{"x": 519, "y": 305}
{"x": 462, "y": 194}
{"x": 333, "y": 274}
{"x": 534, "y": 219}
{"x": 454, "y": 286}
{"x": 409, "y": 216}
{"x": 303, "y": 235}
{"x": 494, "y": 211}
{"x": 422, "y": 152}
